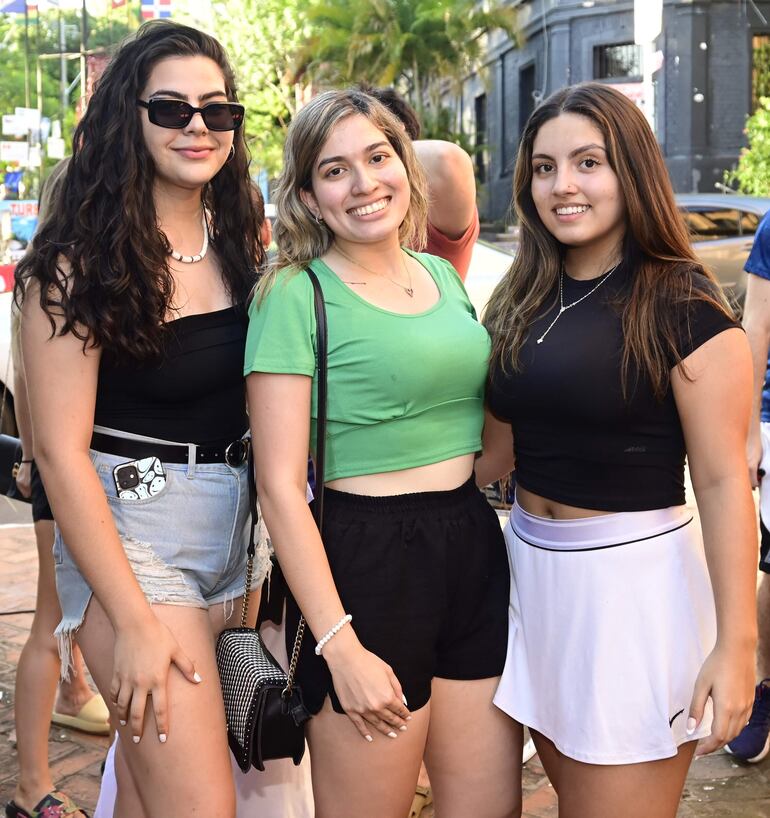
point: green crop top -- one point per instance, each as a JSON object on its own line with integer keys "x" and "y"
{"x": 404, "y": 390}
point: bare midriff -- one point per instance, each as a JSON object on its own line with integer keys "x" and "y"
{"x": 443, "y": 476}
{"x": 543, "y": 507}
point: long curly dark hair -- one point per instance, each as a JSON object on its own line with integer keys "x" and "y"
{"x": 117, "y": 289}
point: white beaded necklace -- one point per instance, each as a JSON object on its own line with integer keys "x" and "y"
{"x": 564, "y": 307}
{"x": 204, "y": 249}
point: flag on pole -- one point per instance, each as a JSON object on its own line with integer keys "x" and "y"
{"x": 12, "y": 6}
{"x": 152, "y": 9}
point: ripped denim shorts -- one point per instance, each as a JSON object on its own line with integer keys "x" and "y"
{"x": 186, "y": 543}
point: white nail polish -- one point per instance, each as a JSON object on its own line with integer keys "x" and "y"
{"x": 162, "y": 738}
{"x": 197, "y": 678}
{"x": 391, "y": 734}
{"x": 122, "y": 723}
{"x": 403, "y": 699}
{"x": 402, "y": 728}
{"x": 368, "y": 738}
{"x": 691, "y": 725}
{"x": 136, "y": 739}
{"x": 408, "y": 718}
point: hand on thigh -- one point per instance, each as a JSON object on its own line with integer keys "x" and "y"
{"x": 352, "y": 777}
{"x": 473, "y": 752}
{"x": 192, "y": 767}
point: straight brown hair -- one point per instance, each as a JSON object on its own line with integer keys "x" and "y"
{"x": 656, "y": 246}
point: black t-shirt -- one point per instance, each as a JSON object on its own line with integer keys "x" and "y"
{"x": 577, "y": 440}
{"x": 195, "y": 394}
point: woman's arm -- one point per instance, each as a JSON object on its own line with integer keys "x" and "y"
{"x": 715, "y": 408}
{"x": 61, "y": 383}
{"x": 496, "y": 460}
{"x": 279, "y": 408}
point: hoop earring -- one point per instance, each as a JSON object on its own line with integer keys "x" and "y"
{"x": 318, "y": 218}
{"x": 231, "y": 154}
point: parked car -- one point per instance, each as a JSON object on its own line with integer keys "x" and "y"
{"x": 722, "y": 228}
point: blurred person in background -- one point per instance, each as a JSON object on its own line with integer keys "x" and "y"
{"x": 73, "y": 702}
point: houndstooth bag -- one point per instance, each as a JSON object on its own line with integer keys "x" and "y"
{"x": 263, "y": 706}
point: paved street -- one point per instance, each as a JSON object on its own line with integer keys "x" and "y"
{"x": 716, "y": 788}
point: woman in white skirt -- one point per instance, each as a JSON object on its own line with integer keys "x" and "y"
{"x": 614, "y": 355}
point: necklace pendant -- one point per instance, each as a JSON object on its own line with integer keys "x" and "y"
{"x": 409, "y": 291}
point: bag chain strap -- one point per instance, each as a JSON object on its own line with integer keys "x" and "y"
{"x": 318, "y": 509}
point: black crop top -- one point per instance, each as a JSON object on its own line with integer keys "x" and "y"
{"x": 195, "y": 394}
{"x": 576, "y": 440}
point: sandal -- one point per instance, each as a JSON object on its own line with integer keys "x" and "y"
{"x": 423, "y": 797}
{"x": 93, "y": 718}
{"x": 55, "y": 805}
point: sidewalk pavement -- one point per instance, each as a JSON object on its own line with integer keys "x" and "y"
{"x": 717, "y": 786}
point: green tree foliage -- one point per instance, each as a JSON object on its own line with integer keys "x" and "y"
{"x": 416, "y": 45}
{"x": 262, "y": 37}
{"x": 752, "y": 174}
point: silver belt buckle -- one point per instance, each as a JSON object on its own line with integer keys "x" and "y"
{"x": 237, "y": 452}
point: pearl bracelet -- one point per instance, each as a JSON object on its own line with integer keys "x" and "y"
{"x": 333, "y": 632}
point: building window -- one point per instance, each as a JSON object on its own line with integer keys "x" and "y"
{"x": 526, "y": 94}
{"x": 760, "y": 68}
{"x": 480, "y": 141}
{"x": 618, "y": 62}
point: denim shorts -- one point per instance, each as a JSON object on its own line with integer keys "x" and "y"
{"x": 186, "y": 544}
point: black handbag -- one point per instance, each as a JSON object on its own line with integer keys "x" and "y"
{"x": 263, "y": 706}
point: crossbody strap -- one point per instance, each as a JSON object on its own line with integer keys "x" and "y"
{"x": 320, "y": 458}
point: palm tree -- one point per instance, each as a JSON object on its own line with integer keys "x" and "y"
{"x": 413, "y": 44}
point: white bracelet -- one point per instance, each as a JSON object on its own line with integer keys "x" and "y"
{"x": 333, "y": 632}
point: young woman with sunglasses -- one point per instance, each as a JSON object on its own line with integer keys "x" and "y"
{"x": 614, "y": 355}
{"x": 133, "y": 330}
{"x": 405, "y": 593}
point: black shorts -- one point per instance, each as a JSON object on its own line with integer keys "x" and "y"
{"x": 764, "y": 548}
{"x": 425, "y": 577}
{"x": 40, "y": 508}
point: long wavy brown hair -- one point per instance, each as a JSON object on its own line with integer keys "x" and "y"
{"x": 656, "y": 246}
{"x": 299, "y": 237}
{"x": 119, "y": 290}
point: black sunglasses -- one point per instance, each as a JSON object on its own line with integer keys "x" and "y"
{"x": 173, "y": 113}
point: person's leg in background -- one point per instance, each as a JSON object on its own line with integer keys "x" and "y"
{"x": 36, "y": 683}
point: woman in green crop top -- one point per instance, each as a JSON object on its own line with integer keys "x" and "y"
{"x": 411, "y": 550}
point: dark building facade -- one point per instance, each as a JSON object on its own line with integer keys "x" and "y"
{"x": 702, "y": 91}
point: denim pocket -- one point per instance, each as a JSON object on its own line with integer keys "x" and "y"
{"x": 105, "y": 466}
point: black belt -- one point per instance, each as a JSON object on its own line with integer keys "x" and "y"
{"x": 234, "y": 454}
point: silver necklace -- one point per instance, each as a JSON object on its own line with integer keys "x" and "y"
{"x": 564, "y": 307}
{"x": 204, "y": 249}
{"x": 408, "y": 290}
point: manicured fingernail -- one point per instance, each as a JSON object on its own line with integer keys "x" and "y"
{"x": 136, "y": 739}
{"x": 197, "y": 678}
{"x": 403, "y": 699}
{"x": 122, "y": 723}
{"x": 408, "y": 718}
{"x": 402, "y": 728}
{"x": 162, "y": 738}
{"x": 368, "y": 738}
{"x": 691, "y": 725}
{"x": 391, "y": 734}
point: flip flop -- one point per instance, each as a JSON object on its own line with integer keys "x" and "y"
{"x": 93, "y": 718}
{"x": 423, "y": 797}
{"x": 55, "y": 805}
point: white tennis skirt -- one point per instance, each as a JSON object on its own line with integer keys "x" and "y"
{"x": 611, "y": 618}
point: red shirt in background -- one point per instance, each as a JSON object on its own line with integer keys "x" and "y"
{"x": 456, "y": 251}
